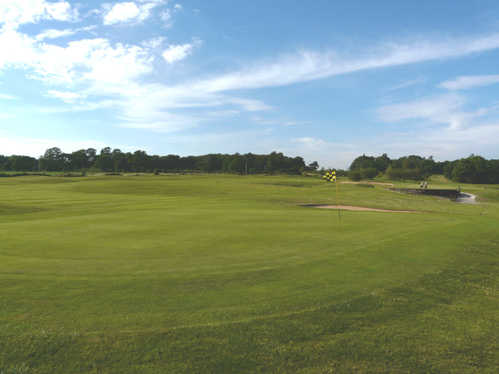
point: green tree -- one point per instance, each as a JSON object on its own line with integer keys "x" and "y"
{"x": 52, "y": 160}
{"x": 105, "y": 160}
{"x": 79, "y": 160}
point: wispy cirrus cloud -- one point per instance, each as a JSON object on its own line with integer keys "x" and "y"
{"x": 310, "y": 65}
{"x": 306, "y": 66}
{"x": 470, "y": 81}
{"x": 444, "y": 109}
{"x": 55, "y": 33}
{"x": 408, "y": 83}
{"x": 448, "y": 109}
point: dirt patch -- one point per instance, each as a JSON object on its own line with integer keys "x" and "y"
{"x": 358, "y": 208}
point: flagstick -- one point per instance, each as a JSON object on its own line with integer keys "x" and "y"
{"x": 330, "y": 176}
{"x": 337, "y": 205}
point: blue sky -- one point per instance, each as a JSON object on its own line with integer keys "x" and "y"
{"x": 326, "y": 80}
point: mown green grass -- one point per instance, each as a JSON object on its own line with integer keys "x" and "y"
{"x": 214, "y": 274}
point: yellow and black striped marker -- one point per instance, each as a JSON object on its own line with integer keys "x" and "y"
{"x": 330, "y": 176}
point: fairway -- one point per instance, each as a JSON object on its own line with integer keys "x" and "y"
{"x": 232, "y": 274}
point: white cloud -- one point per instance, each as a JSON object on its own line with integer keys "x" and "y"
{"x": 22, "y": 49}
{"x": 54, "y": 34}
{"x": 177, "y": 52}
{"x": 60, "y": 11}
{"x": 130, "y": 12}
{"x": 178, "y": 7}
{"x": 121, "y": 12}
{"x": 66, "y": 96}
{"x": 86, "y": 60}
{"x": 107, "y": 64}
{"x": 153, "y": 42}
{"x": 310, "y": 142}
{"x": 470, "y": 81}
{"x": 14, "y": 13}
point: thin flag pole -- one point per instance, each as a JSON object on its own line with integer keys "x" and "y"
{"x": 337, "y": 200}
{"x": 330, "y": 176}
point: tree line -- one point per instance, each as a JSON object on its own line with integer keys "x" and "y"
{"x": 473, "y": 169}
{"x": 114, "y": 160}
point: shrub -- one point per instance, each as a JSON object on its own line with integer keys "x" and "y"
{"x": 368, "y": 173}
{"x": 355, "y": 175}
{"x": 402, "y": 173}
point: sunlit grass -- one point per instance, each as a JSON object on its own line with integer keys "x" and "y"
{"x": 200, "y": 273}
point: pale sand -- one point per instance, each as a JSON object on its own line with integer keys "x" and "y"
{"x": 361, "y": 209}
{"x": 373, "y": 183}
{"x": 466, "y": 198}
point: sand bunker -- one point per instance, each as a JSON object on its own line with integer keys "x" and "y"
{"x": 368, "y": 182}
{"x": 359, "y": 208}
{"x": 466, "y": 198}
